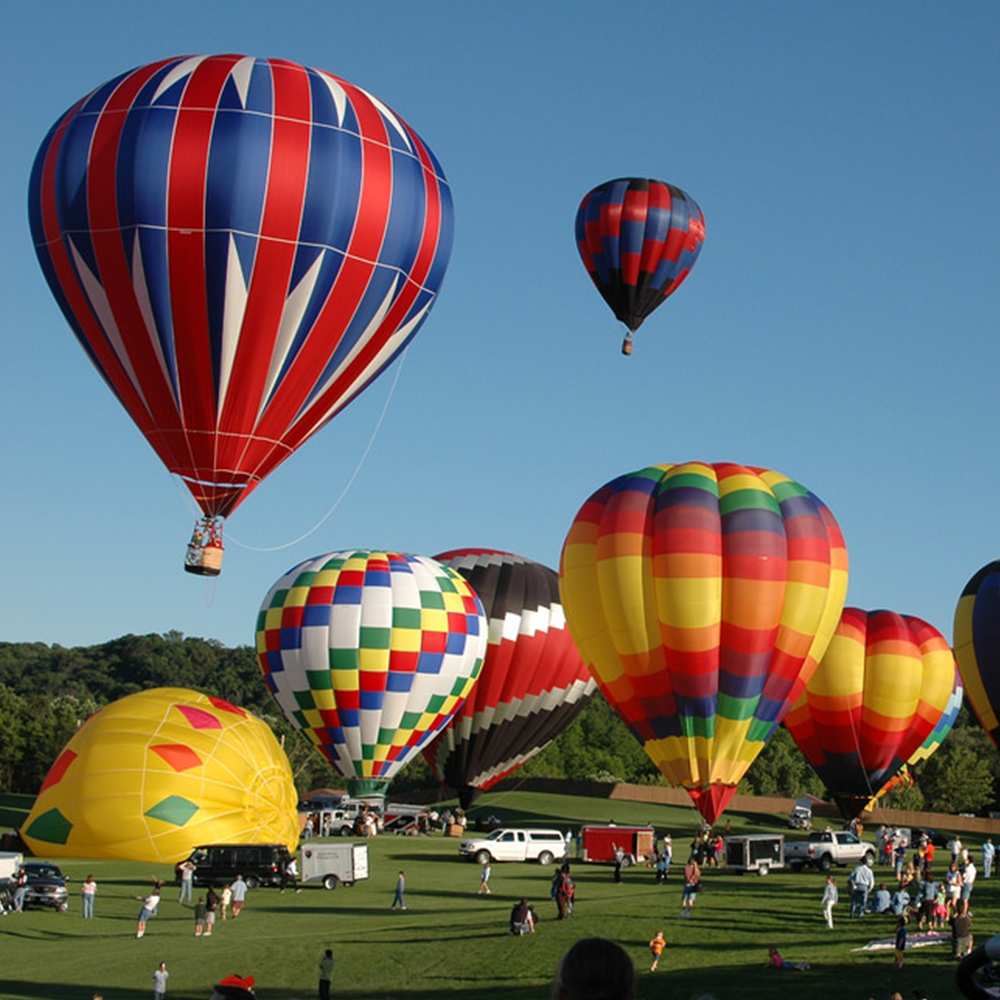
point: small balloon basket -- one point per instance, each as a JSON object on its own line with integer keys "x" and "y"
{"x": 204, "y": 551}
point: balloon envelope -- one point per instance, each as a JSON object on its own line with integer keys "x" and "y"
{"x": 157, "y": 773}
{"x": 702, "y": 596}
{"x": 977, "y": 646}
{"x": 533, "y": 682}
{"x": 369, "y": 654}
{"x": 240, "y": 245}
{"x": 638, "y": 239}
{"x": 880, "y": 690}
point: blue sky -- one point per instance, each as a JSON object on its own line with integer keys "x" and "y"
{"x": 840, "y": 325}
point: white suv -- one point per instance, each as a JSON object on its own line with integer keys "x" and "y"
{"x": 506, "y": 844}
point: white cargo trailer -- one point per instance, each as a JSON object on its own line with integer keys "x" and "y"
{"x": 333, "y": 862}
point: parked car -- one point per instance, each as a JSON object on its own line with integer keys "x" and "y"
{"x": 46, "y": 885}
{"x": 218, "y": 864}
{"x": 801, "y": 816}
{"x": 937, "y": 838}
{"x": 506, "y": 844}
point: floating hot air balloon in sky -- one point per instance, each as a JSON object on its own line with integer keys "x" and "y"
{"x": 240, "y": 245}
{"x": 639, "y": 239}
{"x": 879, "y": 692}
{"x": 533, "y": 682}
{"x": 977, "y": 646}
{"x": 702, "y": 597}
{"x": 369, "y": 654}
{"x": 157, "y": 773}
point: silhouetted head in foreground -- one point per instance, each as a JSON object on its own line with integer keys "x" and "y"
{"x": 595, "y": 969}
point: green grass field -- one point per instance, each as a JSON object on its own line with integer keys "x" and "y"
{"x": 451, "y": 944}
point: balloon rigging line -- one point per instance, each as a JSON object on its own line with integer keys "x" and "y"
{"x": 350, "y": 481}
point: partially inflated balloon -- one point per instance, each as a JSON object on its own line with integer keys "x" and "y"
{"x": 702, "y": 597}
{"x": 977, "y": 646}
{"x": 155, "y": 774}
{"x": 880, "y": 690}
{"x": 533, "y": 682}
{"x": 638, "y": 239}
{"x": 370, "y": 654}
{"x": 240, "y": 245}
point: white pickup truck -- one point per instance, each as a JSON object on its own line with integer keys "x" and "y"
{"x": 826, "y": 848}
{"x": 506, "y": 844}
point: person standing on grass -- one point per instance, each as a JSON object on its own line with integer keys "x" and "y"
{"x": 484, "y": 879}
{"x": 862, "y": 881}
{"x": 989, "y": 851}
{"x": 187, "y": 882}
{"x": 239, "y": 888}
{"x": 160, "y": 978}
{"x": 829, "y": 900}
{"x": 900, "y": 946}
{"x": 326, "y": 965}
{"x": 398, "y": 898}
{"x": 88, "y": 890}
{"x": 211, "y": 905}
{"x": 199, "y": 917}
{"x": 692, "y": 884}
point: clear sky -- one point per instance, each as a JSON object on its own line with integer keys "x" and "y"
{"x": 840, "y": 325}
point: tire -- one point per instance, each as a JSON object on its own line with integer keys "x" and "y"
{"x": 63, "y": 907}
{"x": 763, "y": 870}
{"x": 483, "y": 857}
{"x": 870, "y": 859}
{"x": 252, "y": 882}
{"x": 825, "y": 863}
{"x": 545, "y": 858}
{"x": 330, "y": 882}
{"x": 346, "y": 831}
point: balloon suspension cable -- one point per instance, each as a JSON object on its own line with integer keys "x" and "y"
{"x": 350, "y": 481}
{"x": 627, "y": 344}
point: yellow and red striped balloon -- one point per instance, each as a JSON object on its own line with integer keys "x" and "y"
{"x": 702, "y": 597}
{"x": 879, "y": 692}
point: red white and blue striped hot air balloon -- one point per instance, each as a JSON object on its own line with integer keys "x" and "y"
{"x": 240, "y": 245}
{"x": 533, "y": 683}
{"x": 639, "y": 239}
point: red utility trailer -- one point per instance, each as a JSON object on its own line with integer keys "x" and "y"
{"x": 598, "y": 843}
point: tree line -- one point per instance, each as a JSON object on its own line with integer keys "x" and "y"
{"x": 46, "y": 692}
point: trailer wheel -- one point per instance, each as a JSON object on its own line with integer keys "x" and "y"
{"x": 330, "y": 881}
{"x": 764, "y": 870}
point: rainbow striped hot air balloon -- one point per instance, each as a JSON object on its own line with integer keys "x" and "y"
{"x": 702, "y": 597}
{"x": 879, "y": 692}
{"x": 369, "y": 654}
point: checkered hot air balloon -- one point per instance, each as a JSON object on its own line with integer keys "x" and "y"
{"x": 638, "y": 239}
{"x": 240, "y": 245}
{"x": 702, "y": 597}
{"x": 369, "y": 654}
{"x": 533, "y": 682}
{"x": 153, "y": 775}
{"x": 879, "y": 692}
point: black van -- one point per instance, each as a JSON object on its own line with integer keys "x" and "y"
{"x": 219, "y": 864}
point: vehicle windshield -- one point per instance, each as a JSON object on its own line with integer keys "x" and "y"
{"x": 42, "y": 871}
{"x": 496, "y": 835}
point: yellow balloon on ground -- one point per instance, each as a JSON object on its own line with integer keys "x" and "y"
{"x": 155, "y": 774}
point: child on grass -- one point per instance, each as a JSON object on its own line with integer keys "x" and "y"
{"x": 656, "y": 946}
